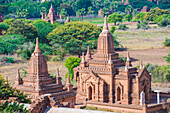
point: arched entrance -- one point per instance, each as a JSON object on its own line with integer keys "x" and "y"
{"x": 90, "y": 93}
{"x": 118, "y": 94}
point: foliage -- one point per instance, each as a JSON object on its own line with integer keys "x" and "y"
{"x": 144, "y": 25}
{"x": 154, "y": 13}
{"x": 165, "y": 22}
{"x": 83, "y": 4}
{"x": 67, "y": 8}
{"x": 9, "y": 107}
{"x": 167, "y": 58}
{"x": 7, "y": 59}
{"x": 113, "y": 28}
{"x": 123, "y": 27}
{"x": 27, "y": 49}
{"x": 9, "y": 43}
{"x": 71, "y": 63}
{"x": 105, "y": 12}
{"x": 64, "y": 13}
{"x": 8, "y": 21}
{"x": 27, "y": 30}
{"x": 43, "y": 29}
{"x": 161, "y": 17}
{"x": 140, "y": 16}
{"x": 81, "y": 12}
{"x": 159, "y": 73}
{"x": 129, "y": 9}
{"x": 6, "y": 91}
{"x": 3, "y": 26}
{"x": 9, "y": 16}
{"x": 114, "y": 18}
{"x": 128, "y": 17}
{"x": 167, "y": 42}
{"x": 74, "y": 36}
{"x": 3, "y": 9}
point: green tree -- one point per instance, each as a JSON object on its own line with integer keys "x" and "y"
{"x": 140, "y": 16}
{"x": 3, "y": 9}
{"x": 129, "y": 9}
{"x": 27, "y": 30}
{"x": 64, "y": 13}
{"x": 90, "y": 11}
{"x": 113, "y": 6}
{"x": 128, "y": 17}
{"x": 4, "y": 27}
{"x": 43, "y": 29}
{"x": 81, "y": 12}
{"x": 153, "y": 13}
{"x": 9, "y": 43}
{"x": 104, "y": 12}
{"x": 71, "y": 63}
{"x": 8, "y": 21}
{"x": 74, "y": 36}
{"x": 114, "y": 18}
{"x": 161, "y": 17}
{"x": 83, "y": 4}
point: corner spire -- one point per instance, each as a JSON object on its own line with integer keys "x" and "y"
{"x": 68, "y": 80}
{"x": 37, "y": 47}
{"x": 83, "y": 58}
{"x": 141, "y": 65}
{"x": 105, "y": 27}
{"x": 88, "y": 55}
{"x": 110, "y": 59}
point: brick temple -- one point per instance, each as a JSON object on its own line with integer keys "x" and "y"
{"x": 38, "y": 82}
{"x": 104, "y": 77}
{"x": 51, "y": 17}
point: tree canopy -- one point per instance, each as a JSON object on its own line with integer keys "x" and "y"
{"x": 114, "y": 18}
{"x": 75, "y": 36}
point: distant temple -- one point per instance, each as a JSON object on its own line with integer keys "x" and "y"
{"x": 38, "y": 83}
{"x": 51, "y": 17}
{"x": 104, "y": 78}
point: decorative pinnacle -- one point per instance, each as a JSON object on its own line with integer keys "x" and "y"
{"x": 83, "y": 58}
{"x": 110, "y": 59}
{"x": 68, "y": 80}
{"x": 88, "y": 55}
{"x": 128, "y": 56}
{"x": 126, "y": 68}
{"x": 141, "y": 64}
{"x": 105, "y": 27}
{"x": 37, "y": 47}
{"x": 57, "y": 75}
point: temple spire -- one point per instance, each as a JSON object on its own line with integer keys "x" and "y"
{"x": 128, "y": 61}
{"x": 105, "y": 27}
{"x": 126, "y": 68}
{"x": 58, "y": 78}
{"x": 37, "y": 47}
{"x": 68, "y": 80}
{"x": 110, "y": 59}
{"x": 83, "y": 58}
{"x": 69, "y": 86}
{"x": 88, "y": 55}
{"x": 141, "y": 64}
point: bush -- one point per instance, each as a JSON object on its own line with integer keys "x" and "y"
{"x": 123, "y": 27}
{"x": 128, "y": 17}
{"x": 167, "y": 42}
{"x": 7, "y": 59}
{"x": 71, "y": 63}
{"x": 3, "y": 26}
{"x": 165, "y": 22}
{"x": 113, "y": 28}
{"x": 159, "y": 73}
{"x": 144, "y": 25}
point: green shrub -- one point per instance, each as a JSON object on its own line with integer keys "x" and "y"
{"x": 71, "y": 63}
{"x": 128, "y": 17}
{"x": 3, "y": 26}
{"x": 123, "y": 27}
{"x": 167, "y": 42}
{"x": 143, "y": 25}
{"x": 165, "y": 22}
{"x": 113, "y": 28}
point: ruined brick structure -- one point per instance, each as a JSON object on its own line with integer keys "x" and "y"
{"x": 145, "y": 9}
{"x": 104, "y": 77}
{"x": 38, "y": 82}
{"x": 51, "y": 17}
